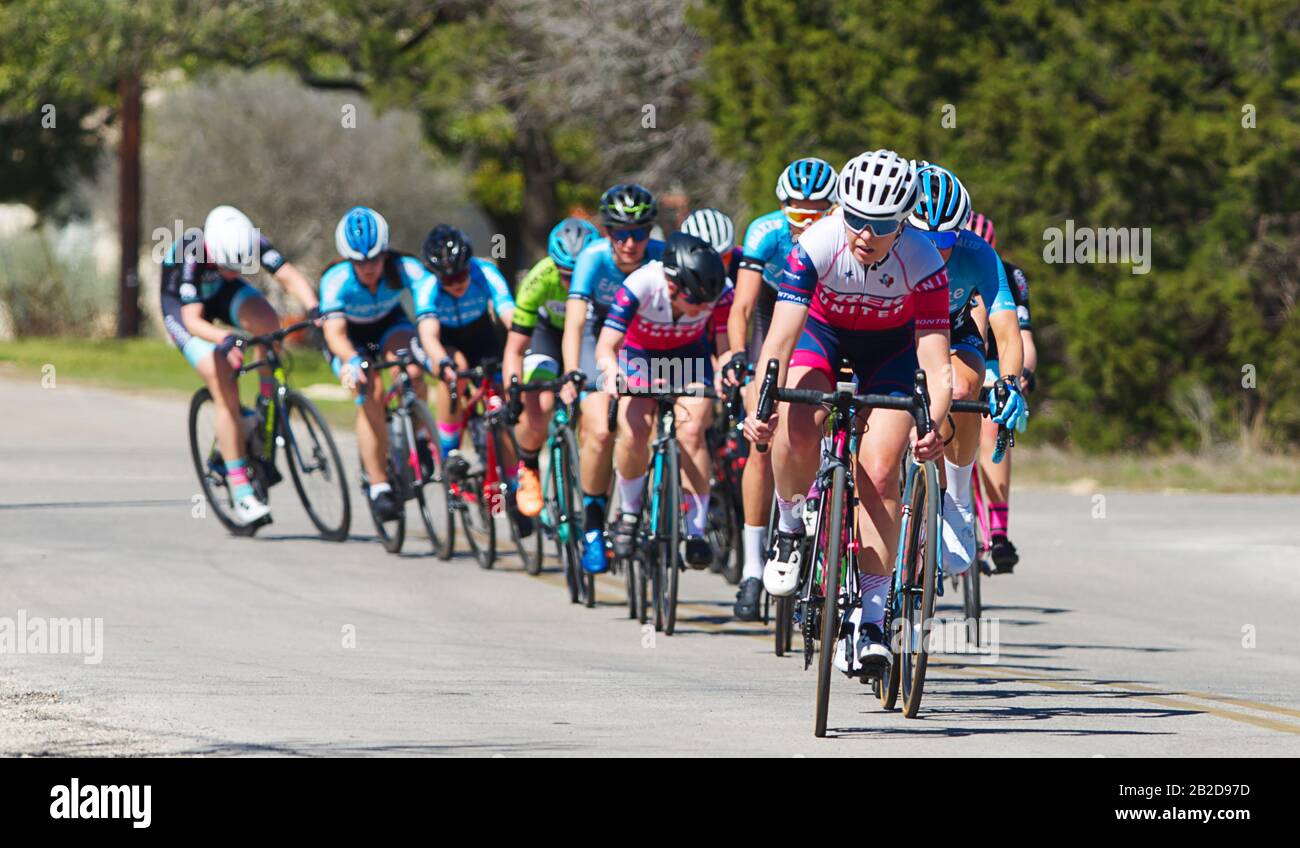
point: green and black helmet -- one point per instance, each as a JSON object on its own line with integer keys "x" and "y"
{"x": 628, "y": 205}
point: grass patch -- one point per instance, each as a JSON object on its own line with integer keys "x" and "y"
{"x": 155, "y": 365}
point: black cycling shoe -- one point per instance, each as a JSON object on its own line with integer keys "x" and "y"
{"x": 1004, "y": 555}
{"x": 386, "y": 506}
{"x": 699, "y": 553}
{"x": 456, "y": 467}
{"x": 525, "y": 524}
{"x": 424, "y": 453}
{"x": 751, "y": 590}
{"x": 625, "y": 535}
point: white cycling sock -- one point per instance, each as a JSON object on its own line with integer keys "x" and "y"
{"x": 788, "y": 521}
{"x": 874, "y": 588}
{"x": 755, "y": 551}
{"x": 697, "y": 513}
{"x": 629, "y": 493}
{"x": 377, "y": 489}
{"x": 959, "y": 477}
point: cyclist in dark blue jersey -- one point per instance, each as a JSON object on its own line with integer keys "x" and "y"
{"x": 202, "y": 284}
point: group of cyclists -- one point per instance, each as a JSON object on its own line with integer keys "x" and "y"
{"x": 882, "y": 265}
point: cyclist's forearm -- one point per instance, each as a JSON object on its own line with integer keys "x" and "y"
{"x": 742, "y": 309}
{"x": 932, "y": 353}
{"x": 200, "y": 327}
{"x": 430, "y": 331}
{"x": 607, "y": 348}
{"x": 336, "y": 339}
{"x": 575, "y": 321}
{"x": 512, "y": 358}
{"x": 295, "y": 282}
{"x": 1031, "y": 350}
{"x": 1005, "y": 327}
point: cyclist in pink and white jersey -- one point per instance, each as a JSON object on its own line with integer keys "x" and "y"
{"x": 857, "y": 286}
{"x": 665, "y": 319}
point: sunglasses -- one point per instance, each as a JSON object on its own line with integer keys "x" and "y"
{"x": 636, "y": 234}
{"x": 943, "y": 240}
{"x": 803, "y": 217}
{"x": 878, "y": 227}
{"x": 687, "y": 297}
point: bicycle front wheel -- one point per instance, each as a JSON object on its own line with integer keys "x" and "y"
{"x": 208, "y": 461}
{"x": 433, "y": 494}
{"x": 833, "y": 520}
{"x": 565, "y": 506}
{"x": 316, "y": 467}
{"x": 920, "y": 575}
{"x": 670, "y": 538}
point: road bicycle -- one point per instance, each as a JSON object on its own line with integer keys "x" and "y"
{"x": 561, "y": 516}
{"x": 730, "y": 452}
{"x": 413, "y": 465}
{"x": 655, "y": 565}
{"x": 482, "y": 492}
{"x": 829, "y": 585}
{"x": 285, "y": 422}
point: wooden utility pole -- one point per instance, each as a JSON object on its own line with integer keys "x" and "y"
{"x": 128, "y": 208}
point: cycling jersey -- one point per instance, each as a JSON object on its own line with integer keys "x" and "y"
{"x": 486, "y": 286}
{"x": 908, "y": 283}
{"x": 189, "y": 280}
{"x": 643, "y": 311}
{"x": 596, "y": 277}
{"x": 1019, "y": 284}
{"x": 767, "y": 243}
{"x": 542, "y": 294}
{"x": 342, "y": 295}
{"x": 974, "y": 266}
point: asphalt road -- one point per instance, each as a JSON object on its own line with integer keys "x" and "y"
{"x": 1140, "y": 625}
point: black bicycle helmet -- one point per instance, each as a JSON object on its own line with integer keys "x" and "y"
{"x": 446, "y": 251}
{"x": 628, "y": 205}
{"x": 694, "y": 266}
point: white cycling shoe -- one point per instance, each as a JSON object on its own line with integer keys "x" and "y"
{"x": 958, "y": 536}
{"x": 873, "y": 654}
{"x": 781, "y": 573}
{"x": 249, "y": 510}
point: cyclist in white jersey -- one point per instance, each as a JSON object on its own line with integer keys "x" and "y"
{"x": 858, "y": 286}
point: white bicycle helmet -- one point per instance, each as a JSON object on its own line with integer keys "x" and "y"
{"x": 878, "y": 184}
{"x": 712, "y": 227}
{"x": 230, "y": 239}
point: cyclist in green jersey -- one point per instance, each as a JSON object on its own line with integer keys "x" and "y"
{"x": 533, "y": 348}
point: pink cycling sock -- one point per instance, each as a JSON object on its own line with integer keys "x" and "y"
{"x": 998, "y": 519}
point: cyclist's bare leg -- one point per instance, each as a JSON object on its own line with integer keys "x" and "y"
{"x": 372, "y": 435}
{"x": 596, "y": 445}
{"x": 694, "y": 415}
{"x": 443, "y": 414}
{"x": 796, "y": 447}
{"x": 635, "y": 430}
{"x": 967, "y": 380}
{"x": 995, "y": 477}
{"x": 227, "y": 419}
{"x": 880, "y": 454}
{"x": 530, "y": 432}
{"x": 258, "y": 317}
{"x": 403, "y": 340}
{"x": 756, "y": 488}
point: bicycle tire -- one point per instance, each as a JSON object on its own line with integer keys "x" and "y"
{"x": 442, "y": 540}
{"x": 670, "y": 491}
{"x": 784, "y": 630}
{"x": 209, "y": 479}
{"x": 394, "y": 536}
{"x": 530, "y": 563}
{"x": 830, "y": 622}
{"x": 565, "y": 511}
{"x": 320, "y": 431}
{"x": 922, "y": 565}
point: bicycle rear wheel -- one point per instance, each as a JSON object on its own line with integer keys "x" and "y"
{"x": 832, "y": 518}
{"x": 565, "y": 506}
{"x": 921, "y": 567}
{"x": 316, "y": 467}
{"x": 784, "y": 629}
{"x": 433, "y": 494}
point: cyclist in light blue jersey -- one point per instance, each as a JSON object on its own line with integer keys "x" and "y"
{"x": 807, "y": 189}
{"x": 974, "y": 271}
{"x": 363, "y": 319}
{"x": 627, "y": 211}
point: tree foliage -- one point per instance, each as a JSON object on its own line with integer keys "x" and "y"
{"x": 1110, "y": 114}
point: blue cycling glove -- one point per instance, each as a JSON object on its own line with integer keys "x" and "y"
{"x": 1014, "y": 414}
